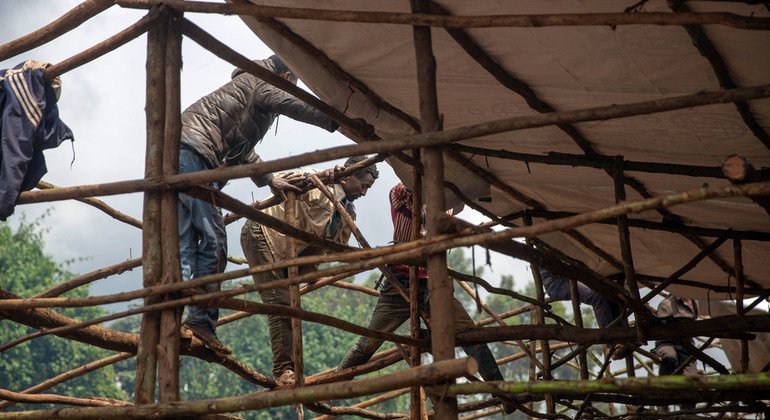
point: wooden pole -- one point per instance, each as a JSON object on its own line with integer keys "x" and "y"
{"x": 85, "y": 332}
{"x": 419, "y": 140}
{"x": 65, "y": 23}
{"x": 625, "y": 246}
{"x": 416, "y": 395}
{"x": 439, "y": 285}
{"x": 294, "y": 296}
{"x": 428, "y": 374}
{"x": 110, "y": 44}
{"x": 739, "y": 170}
{"x": 597, "y": 161}
{"x": 540, "y": 322}
{"x": 578, "y": 315}
{"x": 636, "y": 386}
{"x": 488, "y": 21}
{"x": 170, "y": 319}
{"x": 73, "y": 373}
{"x": 152, "y": 263}
{"x": 739, "y": 296}
{"x": 415, "y": 248}
{"x": 19, "y": 397}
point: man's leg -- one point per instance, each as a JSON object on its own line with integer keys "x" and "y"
{"x": 668, "y": 358}
{"x": 257, "y": 252}
{"x": 202, "y": 249}
{"x": 211, "y": 257}
{"x": 605, "y": 310}
{"x": 488, "y": 368}
{"x": 388, "y": 315}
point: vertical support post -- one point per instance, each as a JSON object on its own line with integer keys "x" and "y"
{"x": 290, "y": 216}
{"x": 533, "y": 351}
{"x": 545, "y": 347}
{"x": 440, "y": 285}
{"x": 147, "y": 352}
{"x": 170, "y": 319}
{"x": 625, "y": 251}
{"x": 582, "y": 358}
{"x": 416, "y": 398}
{"x": 739, "y": 296}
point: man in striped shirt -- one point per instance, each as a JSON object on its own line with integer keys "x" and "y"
{"x": 392, "y": 310}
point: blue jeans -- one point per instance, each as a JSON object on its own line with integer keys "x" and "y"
{"x": 558, "y": 288}
{"x": 202, "y": 240}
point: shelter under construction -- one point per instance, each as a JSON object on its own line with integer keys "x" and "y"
{"x": 621, "y": 144}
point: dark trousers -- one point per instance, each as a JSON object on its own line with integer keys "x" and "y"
{"x": 392, "y": 311}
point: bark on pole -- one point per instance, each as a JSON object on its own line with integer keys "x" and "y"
{"x": 434, "y": 373}
{"x": 440, "y": 285}
{"x": 739, "y": 296}
{"x": 170, "y": 319}
{"x": 147, "y": 353}
{"x": 482, "y": 21}
{"x": 540, "y": 321}
{"x": 575, "y": 297}
{"x": 290, "y": 217}
{"x": 416, "y": 396}
{"x": 625, "y": 242}
{"x": 409, "y": 142}
{"x": 66, "y": 22}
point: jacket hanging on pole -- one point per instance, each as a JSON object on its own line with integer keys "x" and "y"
{"x": 29, "y": 124}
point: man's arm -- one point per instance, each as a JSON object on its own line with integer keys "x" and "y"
{"x": 271, "y": 99}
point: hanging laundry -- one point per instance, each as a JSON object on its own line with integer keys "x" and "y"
{"x": 30, "y": 124}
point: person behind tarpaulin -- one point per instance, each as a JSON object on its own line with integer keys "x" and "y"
{"x": 673, "y": 310}
{"x": 392, "y": 310}
{"x": 605, "y": 310}
{"x": 30, "y": 124}
{"x": 222, "y": 129}
{"x": 315, "y": 214}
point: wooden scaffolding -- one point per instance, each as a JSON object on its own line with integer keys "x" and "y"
{"x": 158, "y": 348}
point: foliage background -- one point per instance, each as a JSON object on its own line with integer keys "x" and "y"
{"x": 26, "y": 270}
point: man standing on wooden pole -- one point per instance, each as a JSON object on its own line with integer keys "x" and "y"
{"x": 218, "y": 130}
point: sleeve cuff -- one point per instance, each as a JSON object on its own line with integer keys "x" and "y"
{"x": 263, "y": 180}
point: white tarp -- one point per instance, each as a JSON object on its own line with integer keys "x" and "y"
{"x": 569, "y": 68}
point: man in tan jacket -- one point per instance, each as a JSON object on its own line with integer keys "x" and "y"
{"x": 261, "y": 245}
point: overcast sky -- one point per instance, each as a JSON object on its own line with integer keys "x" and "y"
{"x": 103, "y": 103}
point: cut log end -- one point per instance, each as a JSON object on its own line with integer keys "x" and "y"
{"x": 736, "y": 168}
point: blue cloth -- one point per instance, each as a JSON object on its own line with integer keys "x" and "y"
{"x": 202, "y": 240}
{"x": 29, "y": 124}
{"x": 558, "y": 288}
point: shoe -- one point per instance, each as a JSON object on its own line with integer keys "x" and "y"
{"x": 209, "y": 338}
{"x": 286, "y": 378}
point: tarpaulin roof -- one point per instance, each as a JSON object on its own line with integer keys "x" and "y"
{"x": 567, "y": 68}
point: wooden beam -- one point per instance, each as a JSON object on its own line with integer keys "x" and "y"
{"x": 110, "y": 44}
{"x": 408, "y": 142}
{"x": 170, "y": 319}
{"x": 65, "y": 23}
{"x": 429, "y": 374}
{"x": 739, "y": 171}
{"x": 709, "y": 51}
{"x": 664, "y": 226}
{"x": 598, "y": 162}
{"x": 488, "y": 21}
{"x": 152, "y": 260}
{"x": 440, "y": 286}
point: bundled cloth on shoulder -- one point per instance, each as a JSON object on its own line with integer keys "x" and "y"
{"x": 30, "y": 124}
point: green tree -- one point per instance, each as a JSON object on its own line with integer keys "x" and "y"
{"x": 26, "y": 270}
{"x": 324, "y": 347}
